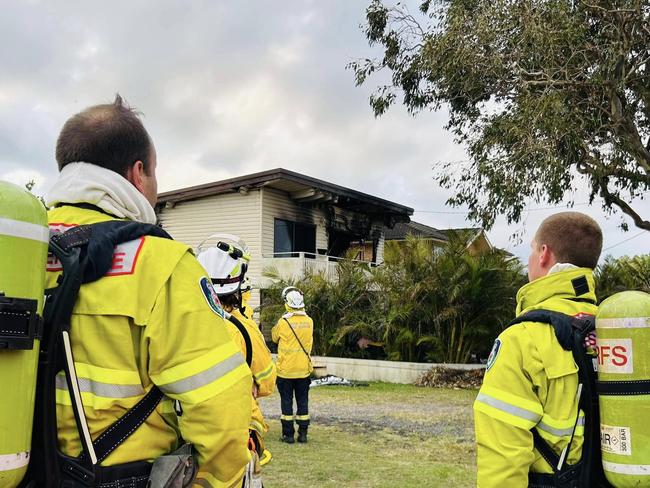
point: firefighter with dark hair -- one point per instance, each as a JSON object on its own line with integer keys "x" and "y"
{"x": 147, "y": 323}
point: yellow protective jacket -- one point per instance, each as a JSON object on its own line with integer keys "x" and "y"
{"x": 149, "y": 322}
{"x": 262, "y": 365}
{"x": 531, "y": 382}
{"x": 292, "y": 360}
{"x": 245, "y": 299}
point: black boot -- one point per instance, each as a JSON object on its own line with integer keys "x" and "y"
{"x": 288, "y": 431}
{"x": 302, "y": 434}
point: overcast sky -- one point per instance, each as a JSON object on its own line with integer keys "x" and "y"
{"x": 231, "y": 88}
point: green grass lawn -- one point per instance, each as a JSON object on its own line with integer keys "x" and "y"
{"x": 380, "y": 436}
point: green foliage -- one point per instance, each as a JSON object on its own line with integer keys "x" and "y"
{"x": 344, "y": 303}
{"x": 625, "y": 273}
{"x": 424, "y": 303}
{"x": 443, "y": 304}
{"x": 29, "y": 186}
{"x": 539, "y": 92}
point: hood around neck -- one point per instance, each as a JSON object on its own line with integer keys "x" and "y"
{"x": 568, "y": 284}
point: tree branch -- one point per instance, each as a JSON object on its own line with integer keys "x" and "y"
{"x": 614, "y": 199}
{"x": 627, "y": 129}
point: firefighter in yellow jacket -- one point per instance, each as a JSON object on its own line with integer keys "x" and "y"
{"x": 294, "y": 334}
{"x": 531, "y": 382}
{"x": 246, "y": 289}
{"x": 226, "y": 265}
{"x": 150, "y": 320}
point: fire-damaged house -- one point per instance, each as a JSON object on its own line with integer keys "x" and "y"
{"x": 289, "y": 221}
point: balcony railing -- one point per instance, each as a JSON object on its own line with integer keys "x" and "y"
{"x": 295, "y": 265}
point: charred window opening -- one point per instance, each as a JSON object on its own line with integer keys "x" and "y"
{"x": 290, "y": 238}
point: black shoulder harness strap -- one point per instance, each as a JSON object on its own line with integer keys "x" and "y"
{"x": 86, "y": 254}
{"x": 571, "y": 333}
{"x": 247, "y": 339}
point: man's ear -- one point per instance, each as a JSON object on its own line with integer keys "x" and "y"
{"x": 135, "y": 174}
{"x": 546, "y": 257}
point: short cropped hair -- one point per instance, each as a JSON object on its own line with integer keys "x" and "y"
{"x": 573, "y": 237}
{"x": 109, "y": 135}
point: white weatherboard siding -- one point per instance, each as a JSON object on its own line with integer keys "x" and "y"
{"x": 192, "y": 221}
{"x": 277, "y": 204}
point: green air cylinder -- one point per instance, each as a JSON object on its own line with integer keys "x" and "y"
{"x": 23, "y": 254}
{"x": 623, "y": 339}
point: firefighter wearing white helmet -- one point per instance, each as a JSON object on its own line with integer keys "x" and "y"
{"x": 226, "y": 264}
{"x": 294, "y": 334}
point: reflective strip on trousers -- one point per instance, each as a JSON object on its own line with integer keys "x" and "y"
{"x": 633, "y": 469}
{"x": 302, "y": 417}
{"x": 100, "y": 389}
{"x": 560, "y": 432}
{"x": 288, "y": 418}
{"x": 508, "y": 408}
{"x": 9, "y": 462}
{"x": 204, "y": 377}
{"x": 24, "y": 230}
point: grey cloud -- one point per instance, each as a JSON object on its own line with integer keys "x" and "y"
{"x": 226, "y": 88}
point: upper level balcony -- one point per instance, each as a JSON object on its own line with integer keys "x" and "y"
{"x": 296, "y": 265}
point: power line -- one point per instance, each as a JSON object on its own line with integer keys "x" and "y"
{"x": 625, "y": 240}
{"x": 525, "y": 209}
{"x": 536, "y": 209}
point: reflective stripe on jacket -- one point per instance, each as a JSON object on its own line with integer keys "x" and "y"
{"x": 148, "y": 322}
{"x": 531, "y": 382}
{"x": 292, "y": 360}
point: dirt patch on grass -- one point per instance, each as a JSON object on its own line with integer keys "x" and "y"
{"x": 422, "y": 414}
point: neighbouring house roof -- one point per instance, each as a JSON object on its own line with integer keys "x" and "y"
{"x": 301, "y": 189}
{"x": 474, "y": 234}
{"x": 402, "y": 229}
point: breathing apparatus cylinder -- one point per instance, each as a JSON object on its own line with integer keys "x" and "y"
{"x": 23, "y": 253}
{"x": 623, "y": 339}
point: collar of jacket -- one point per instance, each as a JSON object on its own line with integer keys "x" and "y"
{"x": 556, "y": 285}
{"x": 288, "y": 315}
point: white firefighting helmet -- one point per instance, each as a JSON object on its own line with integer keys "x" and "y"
{"x": 226, "y": 266}
{"x": 293, "y": 297}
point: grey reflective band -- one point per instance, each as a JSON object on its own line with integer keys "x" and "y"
{"x": 623, "y": 323}
{"x": 204, "y": 377}
{"x": 264, "y": 374}
{"x": 508, "y": 408}
{"x": 559, "y": 432}
{"x": 107, "y": 390}
{"x": 635, "y": 469}
{"x": 9, "y": 462}
{"x": 24, "y": 230}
